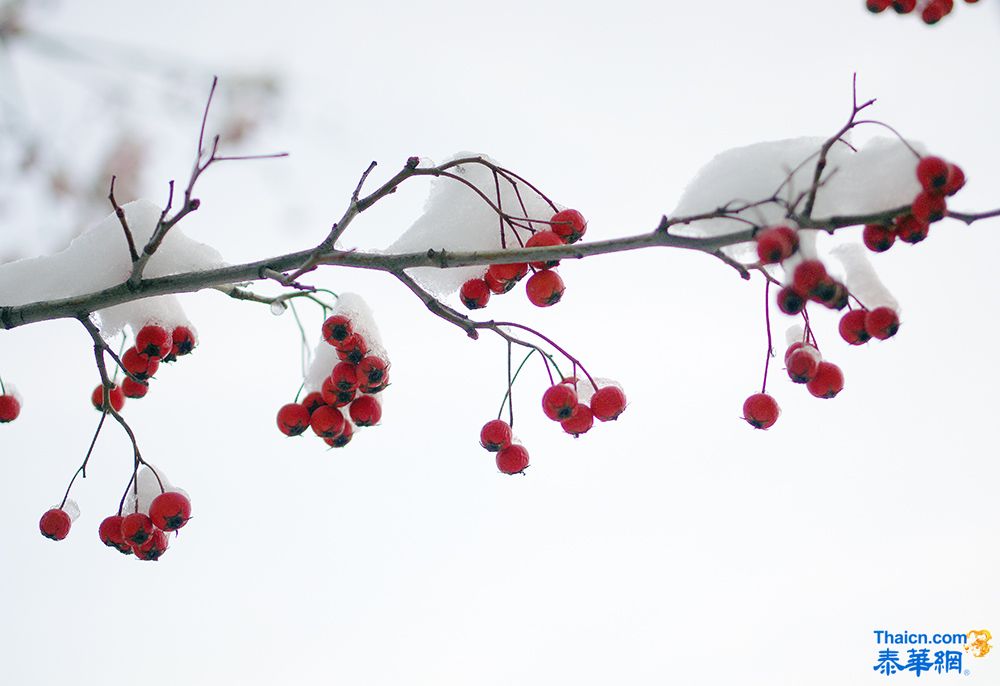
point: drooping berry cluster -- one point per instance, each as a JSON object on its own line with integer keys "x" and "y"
{"x": 143, "y": 532}
{"x": 545, "y": 287}
{"x": 811, "y": 282}
{"x": 153, "y": 344}
{"x": 931, "y": 11}
{"x": 938, "y": 179}
{"x": 353, "y": 383}
{"x": 573, "y": 404}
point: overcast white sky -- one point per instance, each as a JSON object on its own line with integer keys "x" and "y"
{"x": 674, "y": 546}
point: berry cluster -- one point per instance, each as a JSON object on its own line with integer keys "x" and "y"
{"x": 153, "y": 344}
{"x": 931, "y": 11}
{"x": 545, "y": 287}
{"x": 574, "y": 405}
{"x": 353, "y": 383}
{"x": 938, "y": 179}
{"x": 143, "y": 534}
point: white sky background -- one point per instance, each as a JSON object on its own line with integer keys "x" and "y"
{"x": 676, "y": 545}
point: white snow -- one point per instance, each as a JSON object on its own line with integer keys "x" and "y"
{"x": 585, "y": 390}
{"x": 861, "y": 279}
{"x": 148, "y": 488}
{"x": 456, "y": 218}
{"x": 324, "y": 358}
{"x": 99, "y": 259}
{"x": 793, "y": 334}
{"x": 878, "y": 177}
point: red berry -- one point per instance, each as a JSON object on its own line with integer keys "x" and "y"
{"x": 372, "y": 371}
{"x": 802, "y": 364}
{"x": 513, "y": 459}
{"x": 110, "y": 532}
{"x": 929, "y": 207}
{"x": 558, "y": 401}
{"x": 153, "y": 548}
{"x": 607, "y": 403}
{"x": 137, "y": 528}
{"x": 170, "y": 511}
{"x": 55, "y": 524}
{"x": 345, "y": 376}
{"x": 366, "y": 411}
{"x": 882, "y": 322}
{"x": 139, "y": 365}
{"x": 580, "y": 421}
{"x": 327, "y": 422}
{"x": 852, "y": 327}
{"x": 495, "y": 435}
{"x": 904, "y": 6}
{"x": 475, "y": 294}
{"x": 761, "y": 411}
{"x": 828, "y": 382}
{"x": 134, "y": 389}
{"x": 183, "y": 341}
{"x": 876, "y": 6}
{"x": 776, "y": 244}
{"x": 544, "y": 239}
{"x": 910, "y": 229}
{"x": 313, "y": 401}
{"x": 809, "y": 276}
{"x": 569, "y": 225}
{"x": 343, "y": 439}
{"x": 833, "y": 295}
{"x": 545, "y": 288}
{"x": 956, "y": 178}
{"x": 496, "y": 285}
{"x": 878, "y": 238}
{"x": 115, "y": 396}
{"x": 10, "y": 408}
{"x": 336, "y": 329}
{"x": 153, "y": 340}
{"x": 932, "y": 14}
{"x": 508, "y": 272}
{"x": 790, "y": 301}
{"x": 293, "y": 419}
{"x": 334, "y": 396}
{"x": 352, "y": 349}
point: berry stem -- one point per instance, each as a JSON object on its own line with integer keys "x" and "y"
{"x": 767, "y": 324}
{"x": 82, "y": 469}
{"x": 3, "y": 389}
{"x": 510, "y": 384}
{"x": 304, "y": 352}
{"x": 553, "y": 344}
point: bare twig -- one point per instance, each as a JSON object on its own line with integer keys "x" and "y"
{"x": 120, "y": 213}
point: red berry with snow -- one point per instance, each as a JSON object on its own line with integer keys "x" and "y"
{"x": 776, "y": 244}
{"x": 790, "y": 301}
{"x": 55, "y": 524}
{"x": 852, "y": 327}
{"x": 496, "y": 285}
{"x": 544, "y": 239}
{"x": 153, "y": 548}
{"x": 802, "y": 364}
{"x": 352, "y": 349}
{"x": 878, "y": 238}
{"x": 882, "y": 322}
{"x": 828, "y": 382}
{"x": 110, "y": 532}
{"x": 183, "y": 341}
{"x": 508, "y": 272}
{"x": 911, "y": 230}
{"x": 545, "y": 288}
{"x": 335, "y": 396}
{"x": 372, "y": 371}
{"x": 345, "y": 376}
{"x": 336, "y": 329}
{"x": 761, "y": 411}
{"x": 956, "y": 179}
{"x": 513, "y": 459}
{"x": 809, "y": 277}
{"x": 327, "y": 422}
{"x": 495, "y": 435}
{"x": 137, "y": 528}
{"x": 116, "y": 397}
{"x": 10, "y": 408}
{"x": 580, "y": 421}
{"x": 366, "y": 411}
{"x": 139, "y": 365}
{"x": 569, "y": 225}
{"x": 170, "y": 511}
{"x": 313, "y": 401}
{"x": 928, "y": 207}
{"x": 343, "y": 439}
{"x": 134, "y": 389}
{"x": 607, "y": 403}
{"x": 293, "y": 419}
{"x": 153, "y": 340}
{"x": 558, "y": 402}
{"x": 475, "y": 293}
